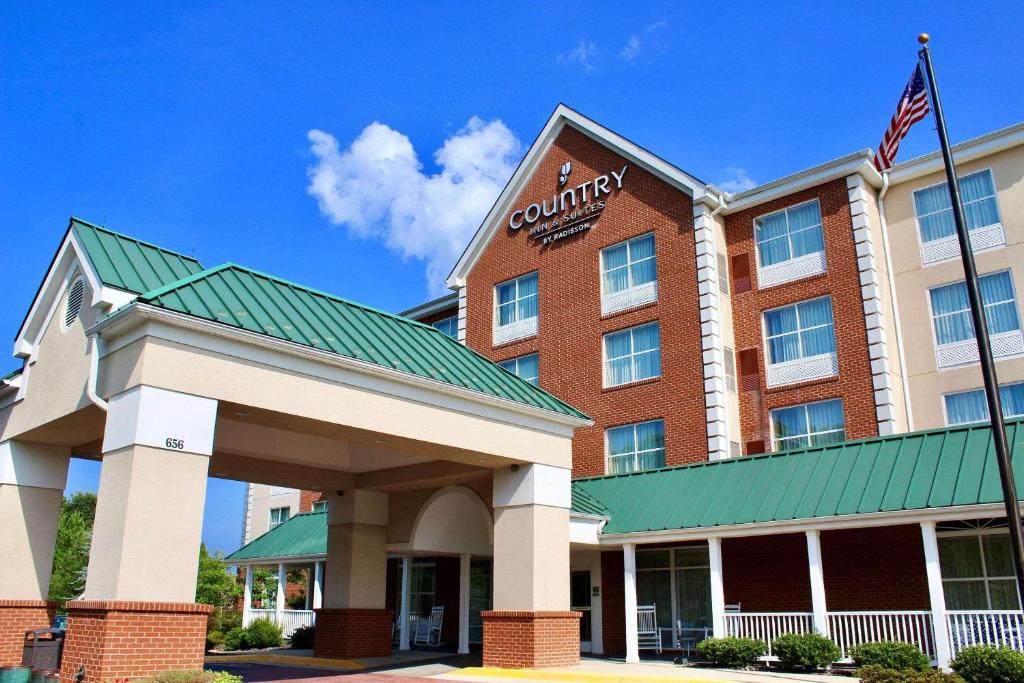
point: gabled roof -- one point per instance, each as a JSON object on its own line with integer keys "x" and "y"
{"x": 130, "y": 264}
{"x": 561, "y": 117}
{"x": 303, "y": 535}
{"x": 939, "y": 468}
{"x": 246, "y": 299}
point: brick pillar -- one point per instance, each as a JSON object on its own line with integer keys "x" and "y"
{"x": 348, "y": 633}
{"x": 121, "y": 639}
{"x": 16, "y": 617}
{"x": 530, "y": 640}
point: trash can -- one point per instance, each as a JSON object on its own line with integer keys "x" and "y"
{"x": 15, "y": 674}
{"x": 43, "y": 649}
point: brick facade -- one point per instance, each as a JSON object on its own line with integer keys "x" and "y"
{"x": 307, "y": 498}
{"x": 17, "y": 617}
{"x": 116, "y": 640}
{"x": 613, "y": 603}
{"x": 767, "y": 573}
{"x": 861, "y": 567}
{"x": 528, "y": 640}
{"x": 570, "y": 321}
{"x": 841, "y": 281}
{"x": 348, "y": 633}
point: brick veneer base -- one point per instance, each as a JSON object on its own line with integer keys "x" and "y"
{"x": 117, "y": 639}
{"x": 529, "y": 640}
{"x": 348, "y": 633}
{"x": 16, "y": 617}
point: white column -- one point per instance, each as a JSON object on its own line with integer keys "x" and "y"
{"x": 247, "y": 597}
{"x": 318, "y": 585}
{"x": 282, "y": 584}
{"x": 717, "y": 588}
{"x": 629, "y": 591}
{"x": 817, "y": 574}
{"x": 943, "y": 652}
{"x": 403, "y": 610}
{"x": 464, "y": 561}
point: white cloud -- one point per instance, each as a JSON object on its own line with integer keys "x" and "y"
{"x": 632, "y": 48}
{"x": 583, "y": 54}
{"x": 736, "y": 180}
{"x": 377, "y": 189}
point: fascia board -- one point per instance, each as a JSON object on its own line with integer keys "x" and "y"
{"x": 985, "y": 145}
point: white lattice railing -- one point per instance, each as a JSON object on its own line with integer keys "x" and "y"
{"x": 985, "y": 628}
{"x": 629, "y": 298}
{"x": 802, "y": 370}
{"x": 768, "y": 626}
{"x": 513, "y": 331}
{"x": 793, "y": 269}
{"x": 966, "y": 351}
{"x": 849, "y": 629}
{"x": 291, "y": 619}
{"x": 989, "y": 237}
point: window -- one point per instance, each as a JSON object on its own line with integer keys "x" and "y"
{"x": 628, "y": 275}
{"x": 73, "y": 305}
{"x": 810, "y": 424}
{"x": 685, "y": 574}
{"x": 790, "y": 244}
{"x": 636, "y": 447}
{"x": 977, "y": 572}
{"x": 516, "y": 309}
{"x": 971, "y": 406}
{"x": 935, "y": 217}
{"x": 279, "y": 516}
{"x": 723, "y": 274}
{"x": 524, "y": 367}
{"x": 422, "y": 588}
{"x": 319, "y": 506}
{"x": 632, "y": 355}
{"x": 801, "y": 343}
{"x": 954, "y": 329}
{"x": 449, "y": 326}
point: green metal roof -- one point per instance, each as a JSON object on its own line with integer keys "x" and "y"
{"x": 130, "y": 264}
{"x": 932, "y": 469}
{"x": 585, "y": 504}
{"x": 253, "y": 301}
{"x": 299, "y": 536}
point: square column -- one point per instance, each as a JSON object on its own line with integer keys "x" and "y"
{"x": 354, "y": 621}
{"x": 629, "y": 597}
{"x": 717, "y": 588}
{"x": 531, "y": 625}
{"x": 318, "y": 585}
{"x": 137, "y": 616}
{"x": 247, "y": 597}
{"x": 943, "y": 651}
{"x": 817, "y": 575}
{"x": 464, "y": 568}
{"x": 403, "y": 608}
{"x": 32, "y": 479}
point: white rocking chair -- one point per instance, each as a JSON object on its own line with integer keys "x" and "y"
{"x": 428, "y": 631}
{"x": 648, "y": 635}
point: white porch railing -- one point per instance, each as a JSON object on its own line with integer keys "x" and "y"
{"x": 849, "y": 629}
{"x": 291, "y": 619}
{"x": 767, "y": 626}
{"x": 994, "y": 627}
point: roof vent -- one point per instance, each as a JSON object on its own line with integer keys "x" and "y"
{"x": 76, "y": 293}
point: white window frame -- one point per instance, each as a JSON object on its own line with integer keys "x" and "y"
{"x": 1004, "y": 344}
{"x": 976, "y": 533}
{"x": 517, "y": 329}
{"x": 453, "y": 320}
{"x": 635, "y": 454}
{"x": 807, "y": 418}
{"x": 804, "y": 368}
{"x": 984, "y": 238}
{"x": 791, "y": 269}
{"x": 515, "y": 372}
{"x": 270, "y": 516}
{"x": 634, "y": 295}
{"x": 319, "y": 506}
{"x": 605, "y": 361}
{"x": 945, "y": 410}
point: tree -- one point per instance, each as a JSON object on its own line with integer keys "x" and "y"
{"x": 71, "y": 551}
{"x": 215, "y": 585}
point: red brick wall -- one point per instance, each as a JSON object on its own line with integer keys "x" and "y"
{"x": 440, "y": 315}
{"x": 348, "y": 633}
{"x": 528, "y": 640}
{"x": 880, "y": 568}
{"x": 132, "y": 639}
{"x": 307, "y": 498}
{"x": 16, "y": 617}
{"x": 842, "y": 282}
{"x": 767, "y": 573}
{"x": 613, "y": 605}
{"x": 571, "y": 326}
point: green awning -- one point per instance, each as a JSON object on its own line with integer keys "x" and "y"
{"x": 939, "y": 468}
{"x": 303, "y": 535}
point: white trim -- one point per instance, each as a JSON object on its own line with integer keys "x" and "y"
{"x": 629, "y": 598}
{"x": 33, "y": 465}
{"x": 936, "y": 594}
{"x": 712, "y": 342}
{"x": 951, "y": 243}
{"x": 816, "y": 571}
{"x": 318, "y": 584}
{"x": 795, "y": 267}
{"x": 717, "y": 582}
{"x": 159, "y": 418}
{"x": 275, "y": 559}
{"x": 975, "y": 148}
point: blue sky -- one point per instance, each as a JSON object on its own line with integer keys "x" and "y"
{"x": 189, "y": 124}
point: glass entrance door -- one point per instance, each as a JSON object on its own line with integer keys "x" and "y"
{"x": 579, "y": 600}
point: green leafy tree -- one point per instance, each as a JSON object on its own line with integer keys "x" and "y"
{"x": 71, "y": 551}
{"x": 264, "y": 585}
{"x": 215, "y": 585}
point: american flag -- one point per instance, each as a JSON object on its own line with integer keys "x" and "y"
{"x": 912, "y": 107}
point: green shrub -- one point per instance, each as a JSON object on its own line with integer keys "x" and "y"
{"x": 805, "y": 651}
{"x": 224, "y": 619}
{"x": 734, "y": 653}
{"x": 302, "y": 637}
{"x": 987, "y": 664}
{"x": 891, "y": 654}
{"x": 224, "y": 677}
{"x": 262, "y": 633}
{"x": 235, "y": 639}
{"x": 213, "y": 639}
{"x": 879, "y": 674}
{"x": 193, "y": 676}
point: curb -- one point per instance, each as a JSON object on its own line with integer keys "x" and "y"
{"x": 309, "y": 662}
{"x": 474, "y": 672}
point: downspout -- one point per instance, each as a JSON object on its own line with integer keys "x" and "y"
{"x": 894, "y": 305}
{"x": 95, "y": 350}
